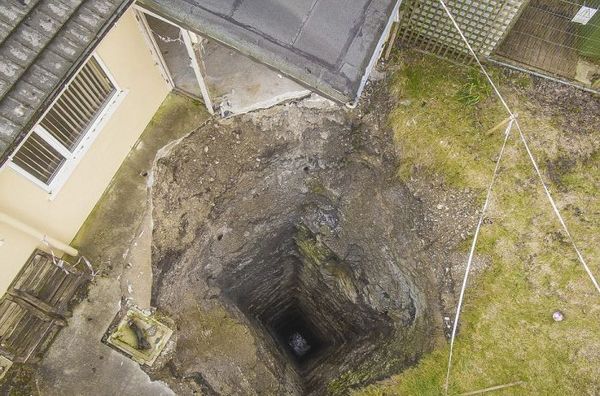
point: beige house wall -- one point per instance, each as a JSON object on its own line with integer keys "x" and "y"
{"x": 125, "y": 53}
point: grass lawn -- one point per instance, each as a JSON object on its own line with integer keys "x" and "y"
{"x": 442, "y": 122}
{"x": 589, "y": 45}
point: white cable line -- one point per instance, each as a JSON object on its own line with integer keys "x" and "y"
{"x": 477, "y": 59}
{"x": 88, "y": 265}
{"x": 545, "y": 40}
{"x": 565, "y": 31}
{"x": 472, "y": 252}
{"x": 524, "y": 140}
{"x": 168, "y": 40}
{"x": 554, "y": 207}
{"x": 56, "y": 261}
{"x": 585, "y": 3}
{"x": 561, "y": 15}
{"x": 60, "y": 263}
{"x": 556, "y": 211}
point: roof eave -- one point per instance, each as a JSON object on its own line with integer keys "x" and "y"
{"x": 312, "y": 75}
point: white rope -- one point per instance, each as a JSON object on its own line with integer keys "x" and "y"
{"x": 556, "y": 211}
{"x": 168, "y": 40}
{"x": 472, "y": 251}
{"x": 88, "y": 265}
{"x": 493, "y": 388}
{"x": 56, "y": 261}
{"x": 477, "y": 59}
{"x": 533, "y": 161}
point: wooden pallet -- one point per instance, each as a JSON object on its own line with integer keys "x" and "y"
{"x": 36, "y": 306}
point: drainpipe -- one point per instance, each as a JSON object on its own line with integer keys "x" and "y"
{"x": 52, "y": 242}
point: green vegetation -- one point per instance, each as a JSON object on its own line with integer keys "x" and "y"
{"x": 476, "y": 88}
{"x": 346, "y": 381}
{"x": 19, "y": 381}
{"x": 312, "y": 249}
{"x": 319, "y": 255}
{"x": 589, "y": 46}
{"x": 443, "y": 122}
{"x": 507, "y": 333}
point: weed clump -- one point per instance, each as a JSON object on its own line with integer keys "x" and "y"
{"x": 476, "y": 89}
{"x": 441, "y": 124}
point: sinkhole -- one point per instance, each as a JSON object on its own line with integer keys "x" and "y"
{"x": 296, "y": 335}
{"x": 306, "y": 304}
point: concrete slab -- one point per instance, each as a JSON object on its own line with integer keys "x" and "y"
{"x": 79, "y": 364}
{"x": 139, "y": 335}
{"x": 136, "y": 278}
{"x": 237, "y": 84}
{"x": 587, "y": 73}
{"x": 323, "y": 44}
{"x": 114, "y": 239}
{"x": 5, "y": 365}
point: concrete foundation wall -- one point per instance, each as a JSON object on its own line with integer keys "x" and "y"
{"x": 127, "y": 57}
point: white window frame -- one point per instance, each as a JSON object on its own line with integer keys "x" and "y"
{"x": 88, "y": 137}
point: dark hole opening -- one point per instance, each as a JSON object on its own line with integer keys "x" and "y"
{"x": 296, "y": 335}
{"x": 307, "y": 320}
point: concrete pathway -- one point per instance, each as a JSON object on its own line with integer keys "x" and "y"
{"x": 117, "y": 240}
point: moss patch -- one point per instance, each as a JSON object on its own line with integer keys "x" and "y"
{"x": 119, "y": 210}
{"x": 218, "y": 334}
{"x": 19, "y": 381}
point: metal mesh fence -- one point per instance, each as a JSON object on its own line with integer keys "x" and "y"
{"x": 559, "y": 38}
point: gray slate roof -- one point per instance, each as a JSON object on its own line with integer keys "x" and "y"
{"x": 324, "y": 44}
{"x": 42, "y": 43}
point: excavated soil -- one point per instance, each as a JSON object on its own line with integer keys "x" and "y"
{"x": 291, "y": 256}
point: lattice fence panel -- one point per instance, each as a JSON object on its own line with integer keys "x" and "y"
{"x": 425, "y": 25}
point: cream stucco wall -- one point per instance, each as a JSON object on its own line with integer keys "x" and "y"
{"x": 126, "y": 55}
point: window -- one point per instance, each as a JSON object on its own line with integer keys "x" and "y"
{"x": 57, "y": 139}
